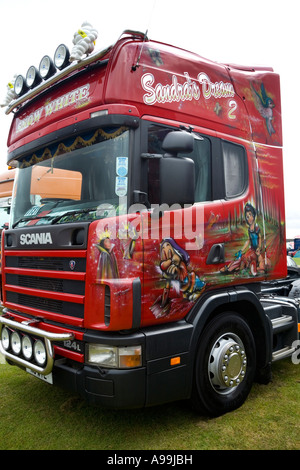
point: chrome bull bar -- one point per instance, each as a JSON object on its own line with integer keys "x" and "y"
{"x": 26, "y": 327}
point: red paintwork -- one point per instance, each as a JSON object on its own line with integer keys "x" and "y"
{"x": 167, "y": 86}
{"x": 118, "y": 84}
{"x": 42, "y": 293}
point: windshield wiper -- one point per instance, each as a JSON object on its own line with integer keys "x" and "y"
{"x": 29, "y": 217}
{"x": 57, "y": 218}
{"x": 74, "y": 212}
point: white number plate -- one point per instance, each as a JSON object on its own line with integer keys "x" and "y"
{"x": 46, "y": 378}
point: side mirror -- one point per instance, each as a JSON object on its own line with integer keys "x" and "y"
{"x": 178, "y": 142}
{"x": 177, "y": 175}
{"x": 177, "y": 181}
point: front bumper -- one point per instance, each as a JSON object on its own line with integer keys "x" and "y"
{"x": 118, "y": 389}
{"x": 158, "y": 380}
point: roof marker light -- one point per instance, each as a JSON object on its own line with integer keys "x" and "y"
{"x": 46, "y": 67}
{"x": 20, "y": 86}
{"x": 33, "y": 77}
{"x": 61, "y": 57}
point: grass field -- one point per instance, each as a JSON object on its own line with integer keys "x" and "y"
{"x": 37, "y": 416}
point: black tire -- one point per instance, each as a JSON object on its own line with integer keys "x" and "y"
{"x": 224, "y": 365}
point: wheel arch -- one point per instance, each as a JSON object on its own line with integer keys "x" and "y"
{"x": 246, "y": 304}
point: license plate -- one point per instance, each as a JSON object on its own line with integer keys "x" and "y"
{"x": 46, "y": 378}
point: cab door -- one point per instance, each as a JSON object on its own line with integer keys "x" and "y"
{"x": 183, "y": 246}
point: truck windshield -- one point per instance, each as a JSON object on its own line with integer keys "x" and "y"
{"x": 81, "y": 178}
{"x": 4, "y": 215}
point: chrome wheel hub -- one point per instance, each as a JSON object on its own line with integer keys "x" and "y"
{"x": 227, "y": 363}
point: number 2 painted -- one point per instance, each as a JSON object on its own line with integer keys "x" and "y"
{"x": 233, "y": 106}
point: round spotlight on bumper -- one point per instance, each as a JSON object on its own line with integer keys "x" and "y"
{"x": 27, "y": 347}
{"x": 20, "y": 86}
{"x": 39, "y": 352}
{"x": 5, "y": 338}
{"x": 46, "y": 67}
{"x": 61, "y": 57}
{"x": 33, "y": 77}
{"x": 16, "y": 343}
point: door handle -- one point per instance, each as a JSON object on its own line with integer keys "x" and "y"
{"x": 216, "y": 254}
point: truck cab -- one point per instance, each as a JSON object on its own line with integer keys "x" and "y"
{"x": 148, "y": 211}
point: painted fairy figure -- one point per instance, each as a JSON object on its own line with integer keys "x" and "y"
{"x": 250, "y": 256}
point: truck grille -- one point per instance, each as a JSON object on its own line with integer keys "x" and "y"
{"x": 46, "y": 284}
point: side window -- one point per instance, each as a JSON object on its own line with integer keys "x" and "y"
{"x": 202, "y": 159}
{"x": 156, "y": 135}
{"x": 201, "y": 156}
{"x": 235, "y": 169}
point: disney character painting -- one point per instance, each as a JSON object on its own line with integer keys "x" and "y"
{"x": 174, "y": 266}
{"x": 264, "y": 104}
{"x": 250, "y": 256}
{"x": 107, "y": 265}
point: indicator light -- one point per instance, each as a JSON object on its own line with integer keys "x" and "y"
{"x": 175, "y": 361}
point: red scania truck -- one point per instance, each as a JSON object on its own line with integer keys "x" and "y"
{"x": 147, "y": 283}
{"x": 6, "y": 187}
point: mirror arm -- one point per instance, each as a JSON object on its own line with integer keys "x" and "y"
{"x": 140, "y": 197}
{"x": 150, "y": 156}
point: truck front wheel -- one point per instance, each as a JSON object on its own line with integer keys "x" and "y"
{"x": 224, "y": 365}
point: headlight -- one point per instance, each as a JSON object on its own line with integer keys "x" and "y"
{"x": 5, "y": 338}
{"x": 39, "y": 352}
{"x": 33, "y": 77}
{"x": 104, "y": 355}
{"x": 16, "y": 342}
{"x": 27, "y": 348}
{"x": 46, "y": 68}
{"x": 20, "y": 86}
{"x": 61, "y": 57}
{"x": 115, "y": 357}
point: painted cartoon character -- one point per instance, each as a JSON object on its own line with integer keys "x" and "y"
{"x": 128, "y": 235}
{"x": 250, "y": 256}
{"x": 107, "y": 265}
{"x": 174, "y": 262}
{"x": 264, "y": 104}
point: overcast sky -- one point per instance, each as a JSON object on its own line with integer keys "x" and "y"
{"x": 258, "y": 32}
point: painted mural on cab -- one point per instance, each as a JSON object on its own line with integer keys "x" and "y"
{"x": 252, "y": 236}
{"x": 181, "y": 277}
